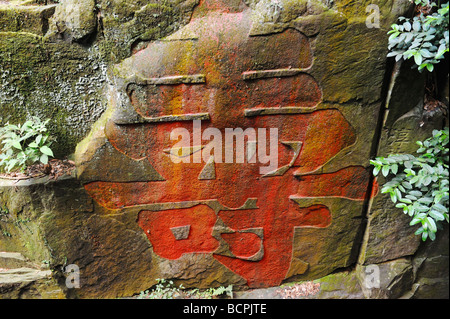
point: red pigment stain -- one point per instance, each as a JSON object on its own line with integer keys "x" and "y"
{"x": 223, "y": 53}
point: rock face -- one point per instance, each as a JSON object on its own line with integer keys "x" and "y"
{"x": 233, "y": 147}
{"x": 21, "y": 279}
{"x": 252, "y": 68}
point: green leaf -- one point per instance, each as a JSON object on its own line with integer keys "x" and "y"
{"x": 406, "y": 200}
{"x": 418, "y": 58}
{"x": 419, "y": 231}
{"x": 416, "y": 193}
{"x": 33, "y": 145}
{"x": 46, "y": 150}
{"x": 427, "y": 180}
{"x": 421, "y": 67}
{"x": 376, "y": 170}
{"x": 415, "y": 221}
{"x": 422, "y": 208}
{"x": 17, "y": 145}
{"x": 394, "y": 169}
{"x": 393, "y": 197}
{"x": 398, "y": 194}
{"x": 44, "y": 159}
{"x": 415, "y": 179}
{"x": 425, "y": 53}
{"x": 394, "y": 35}
{"x": 391, "y": 54}
{"x": 411, "y": 197}
{"x": 432, "y": 224}
{"x": 425, "y": 200}
{"x": 406, "y": 185}
{"x": 436, "y": 215}
{"x": 424, "y": 235}
{"x": 385, "y": 171}
{"x": 440, "y": 208}
{"x": 432, "y": 235}
{"x": 386, "y": 189}
{"x": 407, "y": 26}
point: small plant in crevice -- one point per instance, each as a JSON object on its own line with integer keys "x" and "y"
{"x": 165, "y": 289}
{"x": 24, "y": 145}
{"x": 4, "y": 214}
{"x": 420, "y": 184}
{"x": 7, "y": 218}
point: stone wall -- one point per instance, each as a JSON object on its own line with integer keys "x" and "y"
{"x": 116, "y": 77}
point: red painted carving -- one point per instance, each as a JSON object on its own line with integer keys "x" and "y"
{"x": 278, "y": 222}
{"x": 157, "y": 225}
{"x": 250, "y": 82}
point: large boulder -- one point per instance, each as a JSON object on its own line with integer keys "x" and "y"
{"x": 311, "y": 71}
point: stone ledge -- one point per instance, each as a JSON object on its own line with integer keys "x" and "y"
{"x": 13, "y": 260}
{"x": 29, "y": 283}
{"x": 33, "y": 19}
{"x": 6, "y": 182}
{"x": 21, "y": 275}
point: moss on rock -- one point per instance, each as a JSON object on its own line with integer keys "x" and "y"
{"x": 33, "y": 19}
{"x": 51, "y": 80}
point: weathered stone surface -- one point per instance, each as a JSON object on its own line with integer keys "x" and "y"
{"x": 307, "y": 213}
{"x": 126, "y": 24}
{"x": 312, "y": 69}
{"x": 51, "y": 80}
{"x": 342, "y": 285}
{"x": 392, "y": 279}
{"x": 74, "y": 20}
{"x": 32, "y": 19}
{"x": 403, "y": 125}
{"x": 10, "y": 260}
{"x": 388, "y": 224}
{"x": 28, "y": 283}
{"x": 19, "y": 229}
{"x": 431, "y": 267}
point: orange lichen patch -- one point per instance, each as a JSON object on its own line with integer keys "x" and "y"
{"x": 153, "y": 101}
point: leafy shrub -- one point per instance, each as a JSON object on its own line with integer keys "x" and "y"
{"x": 24, "y": 145}
{"x": 425, "y": 37}
{"x": 420, "y": 184}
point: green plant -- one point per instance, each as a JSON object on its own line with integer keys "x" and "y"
{"x": 4, "y": 213}
{"x": 24, "y": 145}
{"x": 420, "y": 184}
{"x": 165, "y": 289}
{"x": 7, "y": 218}
{"x": 424, "y": 38}
{"x": 212, "y": 292}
